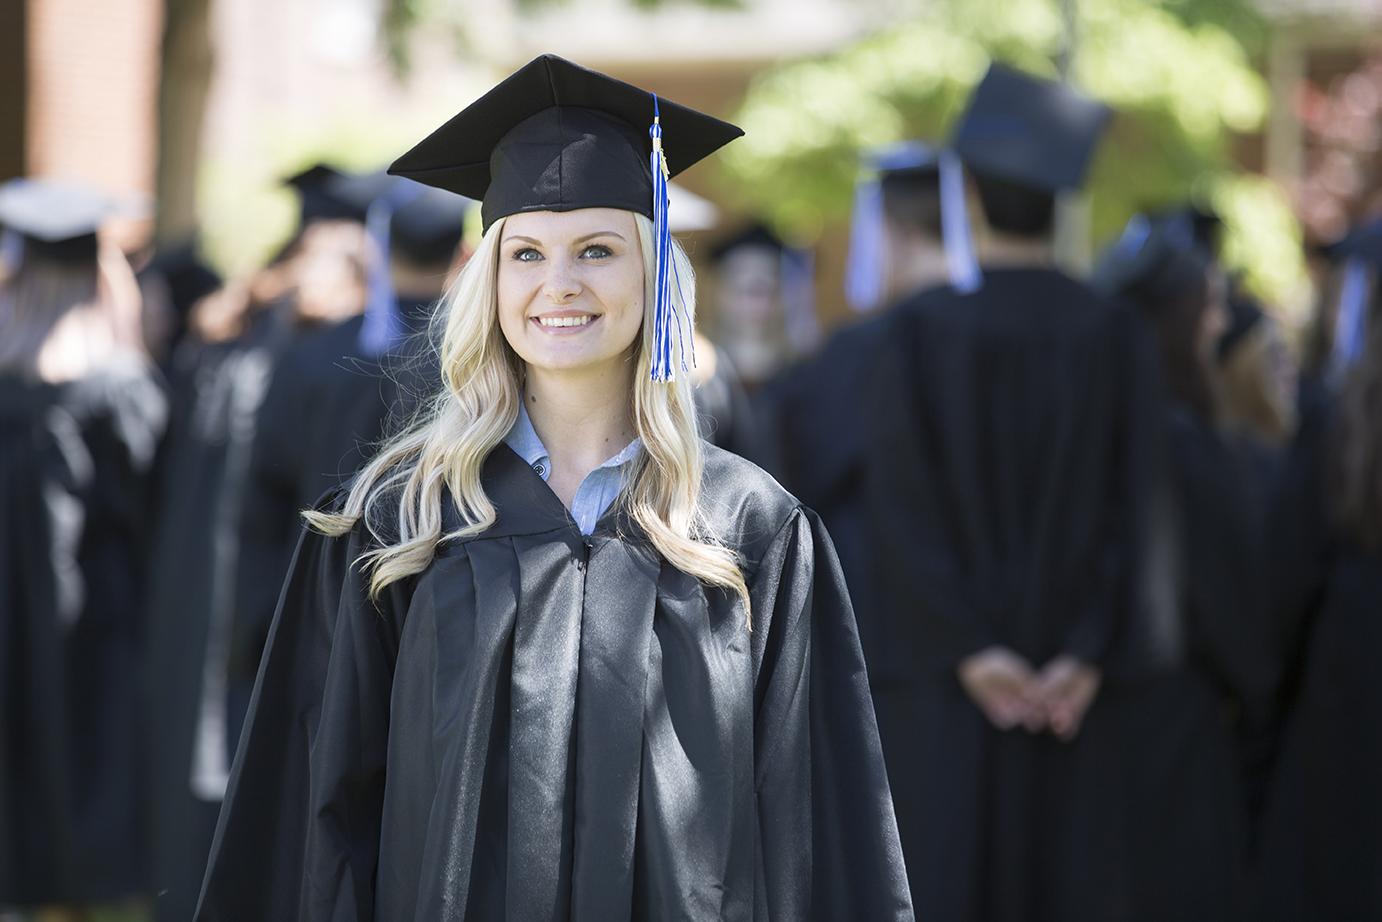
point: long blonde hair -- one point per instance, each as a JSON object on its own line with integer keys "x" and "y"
{"x": 444, "y": 450}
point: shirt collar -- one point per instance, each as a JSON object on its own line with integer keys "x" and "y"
{"x": 524, "y": 441}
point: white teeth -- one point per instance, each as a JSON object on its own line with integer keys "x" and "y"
{"x": 566, "y": 321}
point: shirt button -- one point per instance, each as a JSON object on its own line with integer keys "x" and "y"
{"x": 540, "y": 469}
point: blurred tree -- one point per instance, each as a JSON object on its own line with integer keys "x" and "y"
{"x": 401, "y": 18}
{"x": 1176, "y": 71}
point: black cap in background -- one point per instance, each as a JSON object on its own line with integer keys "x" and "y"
{"x": 1029, "y": 131}
{"x": 427, "y": 228}
{"x": 56, "y": 220}
{"x": 555, "y": 136}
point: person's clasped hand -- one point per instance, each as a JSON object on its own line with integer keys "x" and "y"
{"x": 1012, "y": 694}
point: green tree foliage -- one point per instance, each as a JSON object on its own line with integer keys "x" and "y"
{"x": 1182, "y": 83}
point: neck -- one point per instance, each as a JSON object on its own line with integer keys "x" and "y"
{"x": 584, "y": 417}
{"x": 916, "y": 268}
{"x": 1005, "y": 251}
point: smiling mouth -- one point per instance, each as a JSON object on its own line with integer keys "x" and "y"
{"x": 567, "y": 322}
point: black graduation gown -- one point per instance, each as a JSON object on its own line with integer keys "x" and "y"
{"x": 543, "y": 725}
{"x": 1209, "y": 662}
{"x": 819, "y": 430}
{"x": 725, "y": 412}
{"x": 73, "y": 492}
{"x": 1008, "y": 428}
{"x": 216, "y": 389}
{"x": 1321, "y": 852}
{"x": 327, "y": 407}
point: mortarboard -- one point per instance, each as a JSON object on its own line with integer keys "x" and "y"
{"x": 555, "y": 136}
{"x": 53, "y": 220}
{"x": 328, "y": 194}
{"x": 1029, "y": 131}
{"x": 1152, "y": 256}
{"x": 402, "y": 218}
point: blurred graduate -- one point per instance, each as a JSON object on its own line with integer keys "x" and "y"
{"x": 219, "y": 376}
{"x": 551, "y": 655}
{"x": 1006, "y": 423}
{"x": 1322, "y": 836}
{"x": 80, "y": 418}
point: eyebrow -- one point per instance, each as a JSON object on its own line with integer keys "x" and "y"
{"x": 600, "y": 233}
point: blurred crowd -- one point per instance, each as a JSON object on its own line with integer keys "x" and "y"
{"x": 1114, "y": 543}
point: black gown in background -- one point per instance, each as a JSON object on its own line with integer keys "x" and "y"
{"x": 74, "y": 464}
{"x": 327, "y": 407}
{"x": 817, "y": 424}
{"x": 199, "y": 484}
{"x": 1321, "y": 852}
{"x": 546, "y": 726}
{"x": 1009, "y": 429}
{"x": 1208, "y": 664}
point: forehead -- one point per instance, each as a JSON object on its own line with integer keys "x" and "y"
{"x": 568, "y": 225}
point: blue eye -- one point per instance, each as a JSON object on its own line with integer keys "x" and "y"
{"x": 597, "y": 251}
{"x": 527, "y": 255}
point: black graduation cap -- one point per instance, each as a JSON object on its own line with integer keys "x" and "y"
{"x": 428, "y": 227}
{"x": 187, "y": 275}
{"x": 328, "y": 194}
{"x": 55, "y": 220}
{"x": 754, "y": 236}
{"x": 1153, "y": 256}
{"x": 554, "y": 136}
{"x": 1030, "y": 131}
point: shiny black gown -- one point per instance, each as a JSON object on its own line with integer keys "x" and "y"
{"x": 546, "y": 726}
{"x": 74, "y": 466}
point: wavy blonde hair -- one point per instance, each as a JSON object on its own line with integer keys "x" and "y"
{"x": 445, "y": 448}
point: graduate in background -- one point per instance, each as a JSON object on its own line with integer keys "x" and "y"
{"x": 545, "y": 698}
{"x": 764, "y": 316}
{"x": 814, "y": 409}
{"x": 333, "y": 393}
{"x": 80, "y": 418}
{"x": 1208, "y": 657}
{"x": 218, "y": 377}
{"x": 1322, "y": 835}
{"x": 1007, "y": 432}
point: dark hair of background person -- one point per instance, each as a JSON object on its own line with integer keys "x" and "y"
{"x": 1357, "y": 449}
{"x": 1174, "y": 299}
{"x": 1014, "y": 208}
{"x": 912, "y": 202}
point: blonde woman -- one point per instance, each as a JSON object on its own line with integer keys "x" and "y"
{"x": 552, "y": 656}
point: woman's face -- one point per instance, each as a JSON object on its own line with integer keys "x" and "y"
{"x": 571, "y": 287}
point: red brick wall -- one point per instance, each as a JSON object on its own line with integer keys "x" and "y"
{"x": 92, "y": 69}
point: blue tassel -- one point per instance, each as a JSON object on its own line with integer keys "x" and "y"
{"x": 1351, "y": 324}
{"x": 668, "y": 319}
{"x": 382, "y": 329}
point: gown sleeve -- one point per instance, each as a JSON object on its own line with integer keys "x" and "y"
{"x": 828, "y": 846}
{"x": 299, "y": 831}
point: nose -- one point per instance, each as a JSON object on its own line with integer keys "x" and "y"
{"x": 561, "y": 284}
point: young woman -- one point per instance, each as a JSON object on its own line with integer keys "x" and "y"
{"x": 1202, "y": 645}
{"x": 553, "y": 657}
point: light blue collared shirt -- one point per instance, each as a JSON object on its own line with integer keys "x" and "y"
{"x": 599, "y": 488}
